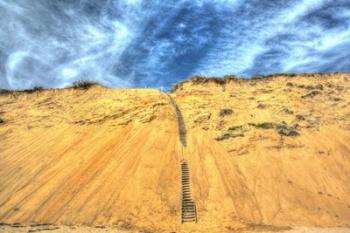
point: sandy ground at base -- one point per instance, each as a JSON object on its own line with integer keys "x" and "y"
{"x": 101, "y": 229}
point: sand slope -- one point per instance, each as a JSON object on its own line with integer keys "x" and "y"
{"x": 112, "y": 157}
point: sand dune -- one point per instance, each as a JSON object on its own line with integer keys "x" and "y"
{"x": 264, "y": 155}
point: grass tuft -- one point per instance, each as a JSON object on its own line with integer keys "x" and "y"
{"x": 232, "y": 128}
{"x": 225, "y": 112}
{"x": 284, "y": 130}
{"x": 84, "y": 84}
{"x": 34, "y": 89}
{"x": 263, "y": 125}
{"x": 28, "y": 91}
{"x": 311, "y": 94}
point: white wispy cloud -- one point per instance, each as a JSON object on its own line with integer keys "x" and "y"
{"x": 156, "y": 43}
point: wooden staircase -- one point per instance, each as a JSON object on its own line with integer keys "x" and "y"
{"x": 188, "y": 207}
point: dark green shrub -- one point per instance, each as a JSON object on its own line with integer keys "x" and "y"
{"x": 5, "y": 92}
{"x": 34, "y": 89}
{"x": 264, "y": 125}
{"x": 225, "y": 112}
{"x": 84, "y": 84}
{"x": 300, "y": 117}
{"x": 313, "y": 87}
{"x": 284, "y": 130}
{"x": 232, "y": 128}
{"x": 311, "y": 94}
{"x": 261, "y": 106}
{"x": 29, "y": 91}
{"x": 229, "y": 134}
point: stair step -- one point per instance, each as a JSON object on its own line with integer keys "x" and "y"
{"x": 184, "y": 205}
{"x": 188, "y": 219}
{"x": 188, "y": 215}
{"x": 187, "y": 205}
{"x": 188, "y": 209}
{"x": 189, "y": 212}
{"x": 187, "y": 202}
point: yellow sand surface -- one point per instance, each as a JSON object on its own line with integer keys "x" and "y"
{"x": 264, "y": 155}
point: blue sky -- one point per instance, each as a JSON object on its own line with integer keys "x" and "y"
{"x": 144, "y": 43}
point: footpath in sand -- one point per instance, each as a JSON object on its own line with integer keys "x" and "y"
{"x": 263, "y": 155}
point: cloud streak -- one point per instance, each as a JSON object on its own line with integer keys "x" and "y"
{"x": 138, "y": 43}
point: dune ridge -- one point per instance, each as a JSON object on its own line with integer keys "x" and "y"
{"x": 264, "y": 155}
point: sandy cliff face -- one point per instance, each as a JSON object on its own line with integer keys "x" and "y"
{"x": 95, "y": 157}
{"x": 262, "y": 154}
